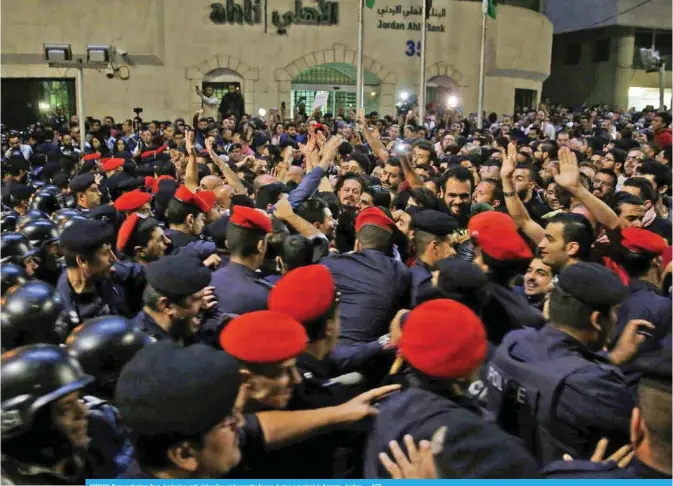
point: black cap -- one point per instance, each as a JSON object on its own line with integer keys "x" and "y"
{"x": 86, "y": 235}
{"x": 177, "y": 276}
{"x": 169, "y": 389}
{"x": 61, "y": 180}
{"x": 21, "y": 192}
{"x": 592, "y": 284}
{"x": 104, "y": 212}
{"x": 656, "y": 369}
{"x": 82, "y": 182}
{"x": 434, "y": 222}
{"x": 218, "y": 231}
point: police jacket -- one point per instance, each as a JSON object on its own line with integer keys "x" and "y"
{"x": 421, "y": 282}
{"x": 147, "y": 323}
{"x": 420, "y": 413}
{"x": 105, "y": 298}
{"x": 239, "y": 289}
{"x": 131, "y": 275}
{"x": 507, "y": 311}
{"x": 558, "y": 396}
{"x": 190, "y": 245}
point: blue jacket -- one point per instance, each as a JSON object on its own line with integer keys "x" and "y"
{"x": 240, "y": 290}
{"x": 107, "y": 299}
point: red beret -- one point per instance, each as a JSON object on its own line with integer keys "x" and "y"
{"x": 250, "y": 218}
{"x": 209, "y": 197}
{"x": 112, "y": 164}
{"x": 91, "y": 157}
{"x": 162, "y": 149}
{"x": 126, "y": 230}
{"x": 263, "y": 337}
{"x": 642, "y": 241}
{"x": 186, "y": 196}
{"x": 148, "y": 154}
{"x": 666, "y": 256}
{"x": 305, "y": 293}
{"x": 497, "y": 235}
{"x": 489, "y": 220}
{"x": 149, "y": 182}
{"x": 443, "y": 338}
{"x": 375, "y": 217}
{"x": 157, "y": 181}
{"x": 132, "y": 200}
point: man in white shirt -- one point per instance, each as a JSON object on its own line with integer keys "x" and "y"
{"x": 209, "y": 103}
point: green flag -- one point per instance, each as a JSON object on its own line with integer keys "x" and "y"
{"x": 370, "y": 3}
{"x": 428, "y": 7}
{"x": 491, "y": 8}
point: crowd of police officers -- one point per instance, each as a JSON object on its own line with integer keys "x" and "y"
{"x": 335, "y": 303}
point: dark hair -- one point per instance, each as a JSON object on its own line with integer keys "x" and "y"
{"x": 177, "y": 211}
{"x": 427, "y": 146}
{"x": 362, "y": 160}
{"x": 635, "y": 265}
{"x": 661, "y": 173}
{"x": 395, "y": 162}
{"x": 665, "y": 117}
{"x": 498, "y": 194}
{"x": 165, "y": 167}
{"x": 620, "y": 198}
{"x": 612, "y": 174}
{"x": 577, "y": 229}
{"x": 459, "y": 173}
{"x": 345, "y": 149}
{"x": 312, "y": 210}
{"x": 619, "y": 155}
{"x": 71, "y": 257}
{"x": 568, "y": 311}
{"x": 348, "y": 176}
{"x": 424, "y": 198}
{"x": 551, "y": 148}
{"x": 152, "y": 451}
{"x": 380, "y": 195}
{"x": 374, "y": 238}
{"x": 243, "y": 241}
{"x": 647, "y": 192}
{"x": 269, "y": 194}
{"x": 296, "y": 251}
{"x": 141, "y": 235}
{"x": 422, "y": 239}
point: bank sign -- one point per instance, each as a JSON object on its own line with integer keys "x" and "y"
{"x": 322, "y": 13}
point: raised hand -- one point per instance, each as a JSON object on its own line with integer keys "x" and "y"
{"x": 569, "y": 176}
{"x": 509, "y": 161}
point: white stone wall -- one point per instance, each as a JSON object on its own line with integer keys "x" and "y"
{"x": 174, "y": 44}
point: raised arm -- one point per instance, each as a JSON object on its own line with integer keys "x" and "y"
{"x": 232, "y": 178}
{"x": 515, "y": 206}
{"x": 374, "y": 143}
{"x": 192, "y": 171}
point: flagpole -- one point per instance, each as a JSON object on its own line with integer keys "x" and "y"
{"x": 480, "y": 103}
{"x": 360, "y": 102}
{"x": 421, "y": 91}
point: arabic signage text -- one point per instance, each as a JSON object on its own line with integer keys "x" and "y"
{"x": 323, "y": 12}
{"x": 398, "y": 17}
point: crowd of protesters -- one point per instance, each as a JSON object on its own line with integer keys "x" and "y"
{"x": 338, "y": 295}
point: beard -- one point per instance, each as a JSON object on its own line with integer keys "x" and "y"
{"x": 181, "y": 330}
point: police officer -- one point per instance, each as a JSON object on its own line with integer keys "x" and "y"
{"x": 173, "y": 298}
{"x": 46, "y": 200}
{"x": 185, "y": 428}
{"x": 85, "y": 191}
{"x": 48, "y": 435}
{"x": 217, "y": 231}
{"x": 373, "y": 288}
{"x": 550, "y": 387}
{"x": 15, "y": 248}
{"x": 432, "y": 239}
{"x": 11, "y": 274}
{"x": 443, "y": 343}
{"x": 336, "y": 454}
{"x": 502, "y": 254}
{"x": 44, "y": 235}
{"x": 650, "y": 433}
{"x": 238, "y": 286}
{"x": 186, "y": 213}
{"x": 33, "y": 313}
{"x": 135, "y": 201}
{"x": 85, "y": 286}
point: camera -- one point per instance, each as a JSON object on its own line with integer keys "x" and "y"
{"x": 110, "y": 72}
{"x": 137, "y": 111}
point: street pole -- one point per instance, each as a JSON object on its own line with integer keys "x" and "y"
{"x": 480, "y": 103}
{"x": 662, "y": 82}
{"x": 360, "y": 57}
{"x": 80, "y": 106}
{"x": 422, "y": 88}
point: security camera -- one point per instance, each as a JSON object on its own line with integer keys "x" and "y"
{"x": 109, "y": 72}
{"x": 120, "y": 52}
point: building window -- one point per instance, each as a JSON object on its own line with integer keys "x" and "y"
{"x": 573, "y": 54}
{"x": 602, "y": 50}
{"x": 662, "y": 42}
{"x": 26, "y": 101}
{"x": 524, "y": 99}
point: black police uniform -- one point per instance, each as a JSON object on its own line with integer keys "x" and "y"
{"x": 335, "y": 454}
{"x": 104, "y": 298}
{"x": 421, "y": 282}
{"x": 373, "y": 288}
{"x": 190, "y": 245}
{"x": 556, "y": 394}
{"x": 420, "y": 412}
{"x": 131, "y": 275}
{"x": 239, "y": 289}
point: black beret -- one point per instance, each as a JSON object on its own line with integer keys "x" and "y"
{"x": 218, "y": 231}
{"x": 434, "y": 222}
{"x": 82, "y": 182}
{"x": 86, "y": 235}
{"x": 130, "y": 183}
{"x": 21, "y": 192}
{"x": 18, "y": 163}
{"x": 177, "y": 276}
{"x": 169, "y": 389}
{"x": 655, "y": 367}
{"x": 60, "y": 180}
{"x": 592, "y": 284}
{"x": 88, "y": 166}
{"x": 104, "y": 212}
